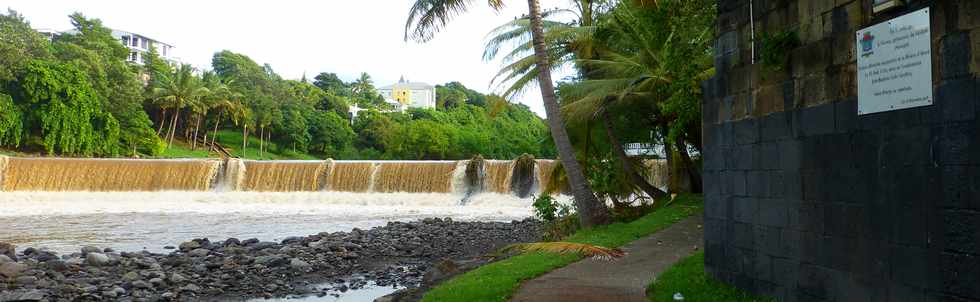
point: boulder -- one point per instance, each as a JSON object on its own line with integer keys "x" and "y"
{"x": 298, "y": 264}
{"x": 96, "y": 259}
{"x": 90, "y": 249}
{"x": 272, "y": 260}
{"x": 5, "y": 259}
{"x": 8, "y": 249}
{"x": 190, "y": 245}
{"x": 199, "y": 252}
{"x": 22, "y": 295}
{"x": 12, "y": 269}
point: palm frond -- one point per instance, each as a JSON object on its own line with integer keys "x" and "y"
{"x": 428, "y": 17}
{"x": 563, "y": 248}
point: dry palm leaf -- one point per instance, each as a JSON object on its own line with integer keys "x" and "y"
{"x": 588, "y": 250}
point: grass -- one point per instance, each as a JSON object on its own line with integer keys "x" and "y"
{"x": 688, "y": 278}
{"x": 232, "y": 140}
{"x": 498, "y": 281}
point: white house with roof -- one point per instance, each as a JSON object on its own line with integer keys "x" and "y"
{"x": 405, "y": 94}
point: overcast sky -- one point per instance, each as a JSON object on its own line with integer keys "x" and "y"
{"x": 344, "y": 37}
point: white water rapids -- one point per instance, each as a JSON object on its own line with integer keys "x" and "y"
{"x": 132, "y": 221}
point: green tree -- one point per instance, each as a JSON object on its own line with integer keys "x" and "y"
{"x": 59, "y": 99}
{"x": 19, "y": 44}
{"x": 427, "y": 17}
{"x": 11, "y": 123}
{"x": 331, "y": 134}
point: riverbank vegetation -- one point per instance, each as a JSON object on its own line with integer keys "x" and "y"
{"x": 689, "y": 279}
{"x": 498, "y": 280}
{"x": 75, "y": 94}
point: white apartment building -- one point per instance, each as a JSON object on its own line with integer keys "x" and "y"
{"x": 405, "y": 94}
{"x": 139, "y": 45}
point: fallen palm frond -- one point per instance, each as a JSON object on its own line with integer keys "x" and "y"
{"x": 587, "y": 250}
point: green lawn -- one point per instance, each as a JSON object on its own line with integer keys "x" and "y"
{"x": 688, "y": 278}
{"x": 232, "y": 140}
{"x": 498, "y": 280}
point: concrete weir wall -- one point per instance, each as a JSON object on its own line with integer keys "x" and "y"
{"x": 808, "y": 201}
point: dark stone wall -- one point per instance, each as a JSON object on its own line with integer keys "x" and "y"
{"x": 806, "y": 200}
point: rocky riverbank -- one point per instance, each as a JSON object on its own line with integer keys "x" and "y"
{"x": 233, "y": 269}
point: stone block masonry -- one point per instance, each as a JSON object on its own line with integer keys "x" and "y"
{"x": 805, "y": 200}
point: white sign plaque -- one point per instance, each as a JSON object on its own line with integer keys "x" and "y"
{"x": 894, "y": 61}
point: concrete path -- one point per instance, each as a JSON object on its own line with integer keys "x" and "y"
{"x": 623, "y": 280}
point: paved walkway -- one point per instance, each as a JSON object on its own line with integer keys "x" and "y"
{"x": 625, "y": 279}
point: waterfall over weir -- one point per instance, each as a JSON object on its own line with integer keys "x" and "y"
{"x": 203, "y": 175}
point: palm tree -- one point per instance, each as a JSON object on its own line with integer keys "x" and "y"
{"x": 427, "y": 17}
{"x": 178, "y": 90}
{"x": 224, "y": 101}
{"x": 569, "y": 43}
{"x": 647, "y": 73}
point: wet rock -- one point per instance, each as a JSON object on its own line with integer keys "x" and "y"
{"x": 232, "y": 242}
{"x": 8, "y": 249}
{"x": 190, "y": 245}
{"x": 55, "y": 265}
{"x": 199, "y": 252}
{"x": 22, "y": 295}
{"x": 5, "y": 259}
{"x": 158, "y": 282}
{"x": 12, "y": 269}
{"x": 26, "y": 280}
{"x": 271, "y": 260}
{"x": 298, "y": 264}
{"x": 169, "y": 247}
{"x": 292, "y": 239}
{"x": 140, "y": 284}
{"x": 177, "y": 278}
{"x": 131, "y": 276}
{"x": 262, "y": 245}
{"x": 96, "y": 259}
{"x": 250, "y": 241}
{"x": 190, "y": 288}
{"x": 90, "y": 249}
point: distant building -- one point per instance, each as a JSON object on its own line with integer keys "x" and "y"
{"x": 137, "y": 44}
{"x": 405, "y": 94}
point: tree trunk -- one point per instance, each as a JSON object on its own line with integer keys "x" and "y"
{"x": 591, "y": 211}
{"x": 197, "y": 126}
{"x": 163, "y": 121}
{"x": 244, "y": 139}
{"x": 173, "y": 128}
{"x": 628, "y": 168}
{"x": 261, "y": 141}
{"x": 694, "y": 172}
{"x": 214, "y": 135}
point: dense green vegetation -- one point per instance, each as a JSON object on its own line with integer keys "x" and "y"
{"x": 75, "y": 95}
{"x": 498, "y": 280}
{"x": 688, "y": 278}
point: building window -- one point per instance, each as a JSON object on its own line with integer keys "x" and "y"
{"x": 165, "y": 48}
{"x": 145, "y": 42}
{"x": 132, "y": 56}
{"x": 125, "y": 40}
{"x": 136, "y": 42}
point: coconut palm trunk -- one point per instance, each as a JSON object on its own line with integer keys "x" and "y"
{"x": 163, "y": 121}
{"x": 173, "y": 128}
{"x": 591, "y": 211}
{"x": 628, "y": 168}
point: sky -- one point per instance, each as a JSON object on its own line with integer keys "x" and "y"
{"x": 306, "y": 37}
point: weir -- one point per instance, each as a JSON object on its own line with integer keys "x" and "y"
{"x": 231, "y": 175}
{"x": 108, "y": 175}
{"x": 284, "y": 176}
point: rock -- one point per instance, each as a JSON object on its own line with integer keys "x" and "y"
{"x": 45, "y": 256}
{"x": 131, "y": 276}
{"x": 251, "y": 241}
{"x": 56, "y": 265}
{"x": 12, "y": 269}
{"x": 26, "y": 280}
{"x": 96, "y": 259}
{"x": 232, "y": 242}
{"x": 199, "y": 252}
{"x": 262, "y": 245}
{"x": 298, "y": 264}
{"x": 169, "y": 247}
{"x": 142, "y": 284}
{"x": 22, "y": 295}
{"x": 177, "y": 278}
{"x": 190, "y": 288}
{"x": 158, "y": 282}
{"x": 168, "y": 296}
{"x": 108, "y": 250}
{"x": 109, "y": 294}
{"x": 8, "y": 249}
{"x": 292, "y": 239}
{"x": 190, "y": 245}
{"x": 271, "y": 261}
{"x": 5, "y": 259}
{"x": 90, "y": 249}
